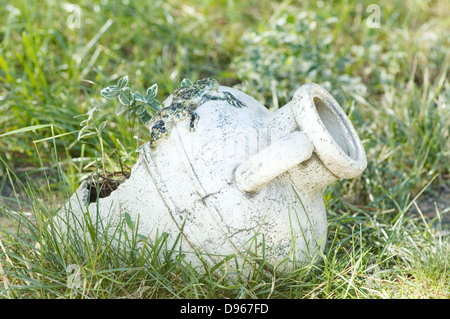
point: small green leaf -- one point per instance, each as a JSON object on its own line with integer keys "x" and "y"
{"x": 129, "y": 221}
{"x": 151, "y": 91}
{"x": 186, "y": 82}
{"x": 142, "y": 237}
{"x": 122, "y": 82}
{"x": 121, "y": 109}
{"x": 145, "y": 116}
{"x": 110, "y": 92}
{"x": 126, "y": 97}
{"x": 155, "y": 105}
{"x": 140, "y": 108}
{"x": 139, "y": 97}
{"x": 102, "y": 126}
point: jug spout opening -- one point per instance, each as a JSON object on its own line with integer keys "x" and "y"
{"x": 335, "y": 140}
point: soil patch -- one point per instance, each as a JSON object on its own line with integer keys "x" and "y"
{"x": 103, "y": 185}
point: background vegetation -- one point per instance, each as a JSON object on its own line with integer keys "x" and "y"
{"x": 388, "y": 229}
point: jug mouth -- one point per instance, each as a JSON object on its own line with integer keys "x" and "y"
{"x": 334, "y": 138}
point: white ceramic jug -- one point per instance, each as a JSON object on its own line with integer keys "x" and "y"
{"x": 236, "y": 179}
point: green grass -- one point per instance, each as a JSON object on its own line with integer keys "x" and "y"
{"x": 391, "y": 81}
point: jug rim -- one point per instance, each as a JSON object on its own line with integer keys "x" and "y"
{"x": 335, "y": 140}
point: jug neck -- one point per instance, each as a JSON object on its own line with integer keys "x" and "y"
{"x": 311, "y": 176}
{"x": 311, "y": 139}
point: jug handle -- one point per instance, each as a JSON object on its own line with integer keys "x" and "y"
{"x": 273, "y": 161}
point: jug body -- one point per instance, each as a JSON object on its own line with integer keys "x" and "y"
{"x": 246, "y": 182}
